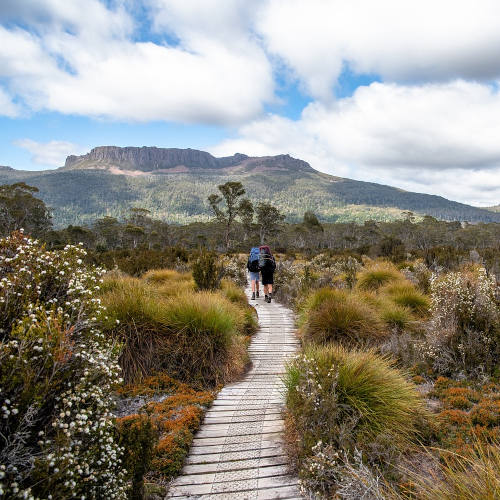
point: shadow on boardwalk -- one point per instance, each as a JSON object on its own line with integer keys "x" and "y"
{"x": 238, "y": 451}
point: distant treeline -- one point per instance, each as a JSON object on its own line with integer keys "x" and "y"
{"x": 154, "y": 243}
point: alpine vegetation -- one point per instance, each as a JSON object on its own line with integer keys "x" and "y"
{"x": 57, "y": 370}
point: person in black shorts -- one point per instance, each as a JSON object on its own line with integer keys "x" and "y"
{"x": 267, "y": 266}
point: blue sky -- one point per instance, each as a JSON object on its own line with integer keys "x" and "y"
{"x": 401, "y": 93}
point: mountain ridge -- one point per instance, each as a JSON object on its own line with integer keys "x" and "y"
{"x": 174, "y": 184}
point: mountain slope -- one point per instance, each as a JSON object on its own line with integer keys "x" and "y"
{"x": 175, "y": 183}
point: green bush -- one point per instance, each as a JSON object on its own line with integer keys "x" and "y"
{"x": 139, "y": 438}
{"x": 207, "y": 272}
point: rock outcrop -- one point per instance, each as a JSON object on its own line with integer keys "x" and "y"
{"x": 151, "y": 159}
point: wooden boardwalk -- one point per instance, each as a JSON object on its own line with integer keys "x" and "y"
{"x": 238, "y": 451}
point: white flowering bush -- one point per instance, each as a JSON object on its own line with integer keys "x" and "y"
{"x": 57, "y": 438}
{"x": 235, "y": 269}
{"x": 463, "y": 333}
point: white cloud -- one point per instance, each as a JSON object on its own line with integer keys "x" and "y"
{"x": 85, "y": 61}
{"x": 7, "y": 106}
{"x": 407, "y": 40}
{"x": 439, "y": 138}
{"x": 51, "y": 153}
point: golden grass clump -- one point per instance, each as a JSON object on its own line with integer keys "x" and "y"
{"x": 342, "y": 317}
{"x": 348, "y": 398}
{"x": 160, "y": 276}
{"x": 234, "y": 293}
{"x": 471, "y": 476}
{"x": 170, "y": 283}
{"x": 315, "y": 300}
{"x": 195, "y": 337}
{"x": 396, "y": 316}
{"x": 377, "y": 275}
{"x": 405, "y": 294}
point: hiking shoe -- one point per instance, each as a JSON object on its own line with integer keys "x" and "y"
{"x": 269, "y": 299}
{"x": 266, "y": 298}
{"x": 253, "y": 295}
{"x": 257, "y": 294}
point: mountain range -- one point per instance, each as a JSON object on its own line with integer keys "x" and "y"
{"x": 175, "y": 183}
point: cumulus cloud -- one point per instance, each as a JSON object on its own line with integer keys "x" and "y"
{"x": 436, "y": 138}
{"x": 7, "y": 106}
{"x": 51, "y": 153}
{"x": 86, "y": 61}
{"x": 420, "y": 40}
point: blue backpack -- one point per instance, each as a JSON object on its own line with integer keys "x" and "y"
{"x": 253, "y": 260}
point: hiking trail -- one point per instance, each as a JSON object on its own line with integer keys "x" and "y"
{"x": 238, "y": 452}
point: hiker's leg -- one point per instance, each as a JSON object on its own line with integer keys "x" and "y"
{"x": 253, "y": 285}
{"x": 270, "y": 288}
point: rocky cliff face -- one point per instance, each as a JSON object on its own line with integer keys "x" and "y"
{"x": 150, "y": 159}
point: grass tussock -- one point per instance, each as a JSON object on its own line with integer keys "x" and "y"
{"x": 341, "y": 316}
{"x": 406, "y": 295}
{"x": 195, "y": 337}
{"x": 169, "y": 283}
{"x": 234, "y": 293}
{"x": 341, "y": 402}
{"x": 161, "y": 276}
{"x": 378, "y": 275}
{"x": 471, "y": 476}
{"x": 396, "y": 316}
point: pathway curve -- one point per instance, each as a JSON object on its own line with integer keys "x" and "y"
{"x": 238, "y": 452}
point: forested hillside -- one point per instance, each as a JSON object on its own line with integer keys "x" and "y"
{"x": 174, "y": 186}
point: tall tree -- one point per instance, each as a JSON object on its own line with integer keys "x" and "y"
{"x": 246, "y": 213}
{"x": 20, "y": 209}
{"x": 269, "y": 220}
{"x": 231, "y": 192}
{"x": 311, "y": 222}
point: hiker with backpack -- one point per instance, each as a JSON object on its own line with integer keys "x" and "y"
{"x": 254, "y": 270}
{"x": 267, "y": 266}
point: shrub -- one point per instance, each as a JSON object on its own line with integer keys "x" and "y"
{"x": 464, "y": 331}
{"x": 57, "y": 370}
{"x": 139, "y": 438}
{"x": 207, "y": 272}
{"x": 234, "y": 269}
{"x": 405, "y": 295}
{"x": 342, "y": 318}
{"x": 378, "y": 275}
{"x": 349, "y": 400}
